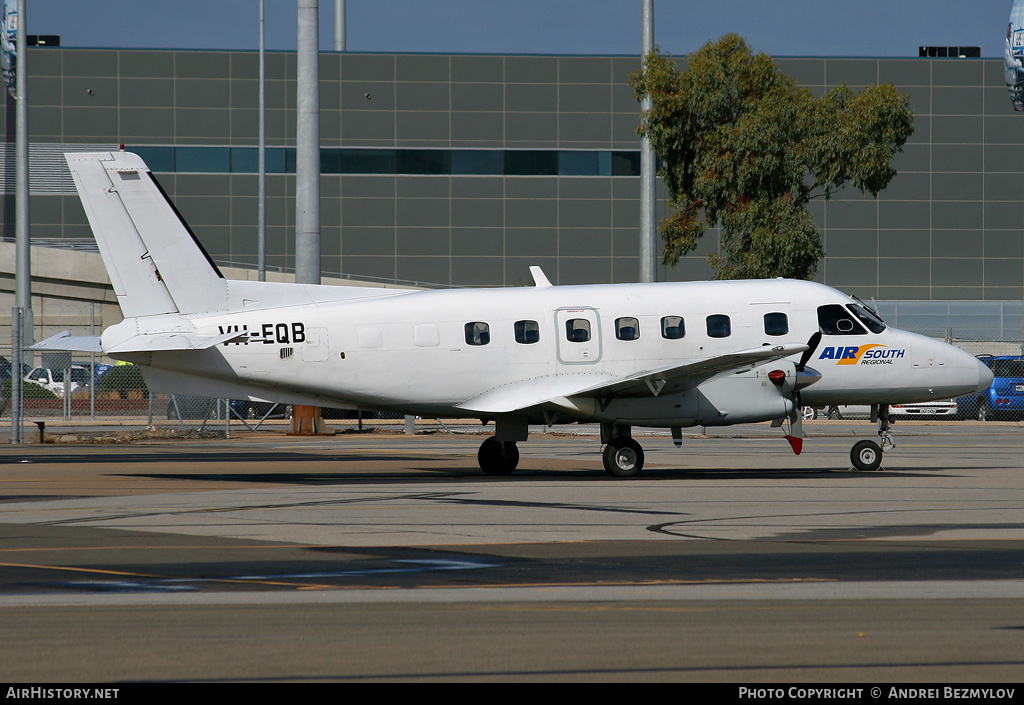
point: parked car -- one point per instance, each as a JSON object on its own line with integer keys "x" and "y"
{"x": 53, "y": 380}
{"x": 946, "y": 408}
{"x": 1004, "y": 399}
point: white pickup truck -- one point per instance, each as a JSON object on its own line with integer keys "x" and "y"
{"x": 54, "y": 379}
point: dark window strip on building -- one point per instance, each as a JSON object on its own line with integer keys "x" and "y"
{"x": 281, "y": 160}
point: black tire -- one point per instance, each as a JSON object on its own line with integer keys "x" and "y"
{"x": 866, "y": 456}
{"x": 985, "y": 412}
{"x": 623, "y": 457}
{"x": 498, "y": 458}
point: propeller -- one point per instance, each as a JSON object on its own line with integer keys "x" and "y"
{"x": 804, "y": 378}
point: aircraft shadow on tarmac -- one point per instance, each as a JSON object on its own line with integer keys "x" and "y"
{"x": 432, "y": 474}
{"x": 248, "y": 457}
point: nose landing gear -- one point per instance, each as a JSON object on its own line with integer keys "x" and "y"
{"x": 866, "y": 456}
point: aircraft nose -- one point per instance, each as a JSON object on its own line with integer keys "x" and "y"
{"x": 985, "y": 375}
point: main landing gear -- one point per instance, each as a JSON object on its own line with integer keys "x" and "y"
{"x": 866, "y": 456}
{"x": 498, "y": 457}
{"x": 623, "y": 457}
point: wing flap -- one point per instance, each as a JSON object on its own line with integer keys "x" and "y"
{"x": 531, "y": 392}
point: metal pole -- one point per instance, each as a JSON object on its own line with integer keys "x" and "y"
{"x": 648, "y": 242}
{"x": 23, "y": 266}
{"x": 261, "y": 236}
{"x": 307, "y": 419}
{"x": 339, "y": 25}
{"x": 17, "y": 385}
{"x": 92, "y": 363}
{"x": 307, "y": 148}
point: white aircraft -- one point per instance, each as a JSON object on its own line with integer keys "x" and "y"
{"x": 663, "y": 355}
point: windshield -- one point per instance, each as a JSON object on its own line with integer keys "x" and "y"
{"x": 833, "y": 319}
{"x": 868, "y": 317}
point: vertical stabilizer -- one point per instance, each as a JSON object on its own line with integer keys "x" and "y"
{"x": 155, "y": 263}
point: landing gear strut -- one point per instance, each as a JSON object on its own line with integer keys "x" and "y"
{"x": 498, "y": 457}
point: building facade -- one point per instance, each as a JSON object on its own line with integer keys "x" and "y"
{"x": 458, "y": 170}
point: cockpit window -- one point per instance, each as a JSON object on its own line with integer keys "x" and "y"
{"x": 867, "y": 317}
{"x": 834, "y": 319}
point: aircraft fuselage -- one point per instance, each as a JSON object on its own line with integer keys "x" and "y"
{"x": 426, "y": 352}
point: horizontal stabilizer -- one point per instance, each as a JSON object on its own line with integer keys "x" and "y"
{"x": 174, "y": 341}
{"x": 64, "y": 341}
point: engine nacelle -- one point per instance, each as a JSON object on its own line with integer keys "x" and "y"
{"x": 748, "y": 396}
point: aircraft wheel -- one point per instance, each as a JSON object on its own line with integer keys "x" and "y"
{"x": 623, "y": 457}
{"x": 498, "y": 457}
{"x": 809, "y": 413}
{"x": 866, "y": 456}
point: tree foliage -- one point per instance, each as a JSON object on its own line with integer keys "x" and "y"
{"x": 742, "y": 146}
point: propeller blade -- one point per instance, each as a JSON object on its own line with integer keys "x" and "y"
{"x": 812, "y": 345}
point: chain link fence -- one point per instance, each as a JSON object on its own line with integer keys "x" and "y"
{"x": 92, "y": 390}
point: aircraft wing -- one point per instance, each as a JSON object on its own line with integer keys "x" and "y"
{"x": 529, "y": 393}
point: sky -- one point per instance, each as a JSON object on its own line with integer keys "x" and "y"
{"x": 890, "y": 28}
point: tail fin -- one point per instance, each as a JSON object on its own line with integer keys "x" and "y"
{"x": 154, "y": 261}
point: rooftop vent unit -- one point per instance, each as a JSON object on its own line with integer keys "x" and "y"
{"x": 950, "y": 52}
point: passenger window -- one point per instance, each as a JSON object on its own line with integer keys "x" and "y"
{"x": 672, "y": 327}
{"x": 833, "y": 319}
{"x": 719, "y": 326}
{"x": 577, "y": 330}
{"x": 627, "y": 328}
{"x": 478, "y": 333}
{"x": 776, "y": 324}
{"x": 527, "y": 332}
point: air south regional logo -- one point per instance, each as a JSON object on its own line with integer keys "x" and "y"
{"x": 871, "y": 354}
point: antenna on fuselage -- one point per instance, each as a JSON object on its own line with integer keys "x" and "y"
{"x": 539, "y": 279}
